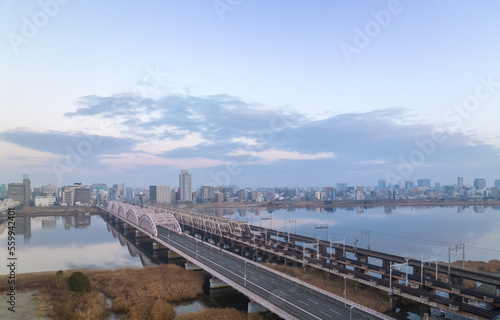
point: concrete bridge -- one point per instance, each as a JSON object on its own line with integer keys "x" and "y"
{"x": 288, "y": 298}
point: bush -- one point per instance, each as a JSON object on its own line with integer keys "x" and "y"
{"x": 79, "y": 282}
{"x": 59, "y": 273}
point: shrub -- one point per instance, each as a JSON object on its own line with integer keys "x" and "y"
{"x": 59, "y": 274}
{"x": 79, "y": 282}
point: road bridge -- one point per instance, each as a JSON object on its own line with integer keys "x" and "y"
{"x": 288, "y": 298}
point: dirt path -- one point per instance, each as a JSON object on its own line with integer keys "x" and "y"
{"x": 26, "y": 306}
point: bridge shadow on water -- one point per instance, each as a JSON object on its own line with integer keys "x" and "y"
{"x": 226, "y": 297}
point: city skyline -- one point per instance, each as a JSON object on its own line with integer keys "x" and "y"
{"x": 256, "y": 94}
{"x": 380, "y": 184}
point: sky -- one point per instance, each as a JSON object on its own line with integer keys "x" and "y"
{"x": 249, "y": 93}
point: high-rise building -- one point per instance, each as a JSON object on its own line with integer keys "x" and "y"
{"x": 49, "y": 189}
{"x": 424, "y": 183}
{"x": 185, "y": 186}
{"x": 381, "y": 184}
{"x": 342, "y": 186}
{"x": 82, "y": 195}
{"x": 402, "y": 184}
{"x": 497, "y": 184}
{"x": 160, "y": 194}
{"x": 205, "y": 193}
{"x": 460, "y": 182}
{"x": 479, "y": 183}
{"x": 20, "y": 192}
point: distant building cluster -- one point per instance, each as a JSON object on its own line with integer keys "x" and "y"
{"x": 79, "y": 195}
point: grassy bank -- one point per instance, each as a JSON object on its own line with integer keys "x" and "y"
{"x": 142, "y": 293}
{"x": 367, "y": 296}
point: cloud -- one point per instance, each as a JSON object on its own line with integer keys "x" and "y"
{"x": 272, "y": 155}
{"x": 186, "y": 131}
{"x": 157, "y": 146}
{"x": 376, "y": 161}
{"x": 133, "y": 160}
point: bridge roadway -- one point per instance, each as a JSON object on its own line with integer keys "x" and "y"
{"x": 255, "y": 281}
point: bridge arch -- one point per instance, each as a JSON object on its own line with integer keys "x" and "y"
{"x": 133, "y": 215}
{"x": 167, "y": 219}
{"x": 146, "y": 222}
{"x": 122, "y": 209}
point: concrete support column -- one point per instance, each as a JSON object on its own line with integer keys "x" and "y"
{"x": 254, "y": 307}
{"x": 139, "y": 236}
{"x": 217, "y": 283}
{"x": 363, "y": 259}
{"x": 157, "y": 249}
{"x": 192, "y": 267}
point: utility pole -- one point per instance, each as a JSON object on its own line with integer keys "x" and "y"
{"x": 367, "y": 232}
{"x": 422, "y": 263}
{"x": 322, "y": 226}
{"x": 456, "y": 248}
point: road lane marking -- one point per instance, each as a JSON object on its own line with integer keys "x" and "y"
{"x": 312, "y": 301}
{"x": 302, "y": 302}
{"x": 334, "y": 312}
{"x": 326, "y": 314}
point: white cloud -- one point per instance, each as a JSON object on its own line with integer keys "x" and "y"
{"x": 161, "y": 146}
{"x": 375, "y": 161}
{"x": 134, "y": 160}
{"x": 272, "y": 155}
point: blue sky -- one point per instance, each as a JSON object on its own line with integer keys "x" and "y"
{"x": 252, "y": 93}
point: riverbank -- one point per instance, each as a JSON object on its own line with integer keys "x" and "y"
{"x": 348, "y": 203}
{"x": 134, "y": 293}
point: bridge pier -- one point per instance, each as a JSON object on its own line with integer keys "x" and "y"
{"x": 141, "y": 238}
{"x": 128, "y": 230}
{"x": 363, "y": 259}
{"x": 192, "y": 267}
{"x": 159, "y": 250}
{"x": 255, "y": 308}
{"x": 216, "y": 283}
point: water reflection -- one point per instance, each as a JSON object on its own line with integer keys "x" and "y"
{"x": 63, "y": 242}
{"x": 406, "y": 231}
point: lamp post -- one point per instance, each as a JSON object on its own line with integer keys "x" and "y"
{"x": 345, "y": 292}
{"x": 196, "y": 251}
{"x": 246, "y": 273}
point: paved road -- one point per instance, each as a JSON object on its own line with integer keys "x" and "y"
{"x": 292, "y": 298}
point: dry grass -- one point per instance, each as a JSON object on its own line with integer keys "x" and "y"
{"x": 136, "y": 293}
{"x": 148, "y": 293}
{"x": 492, "y": 266}
{"x": 366, "y": 296}
{"x": 214, "y": 314}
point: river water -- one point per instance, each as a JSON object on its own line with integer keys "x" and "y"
{"x": 405, "y": 231}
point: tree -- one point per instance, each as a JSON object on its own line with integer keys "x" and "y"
{"x": 79, "y": 282}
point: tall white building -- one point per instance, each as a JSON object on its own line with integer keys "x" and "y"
{"x": 185, "y": 186}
